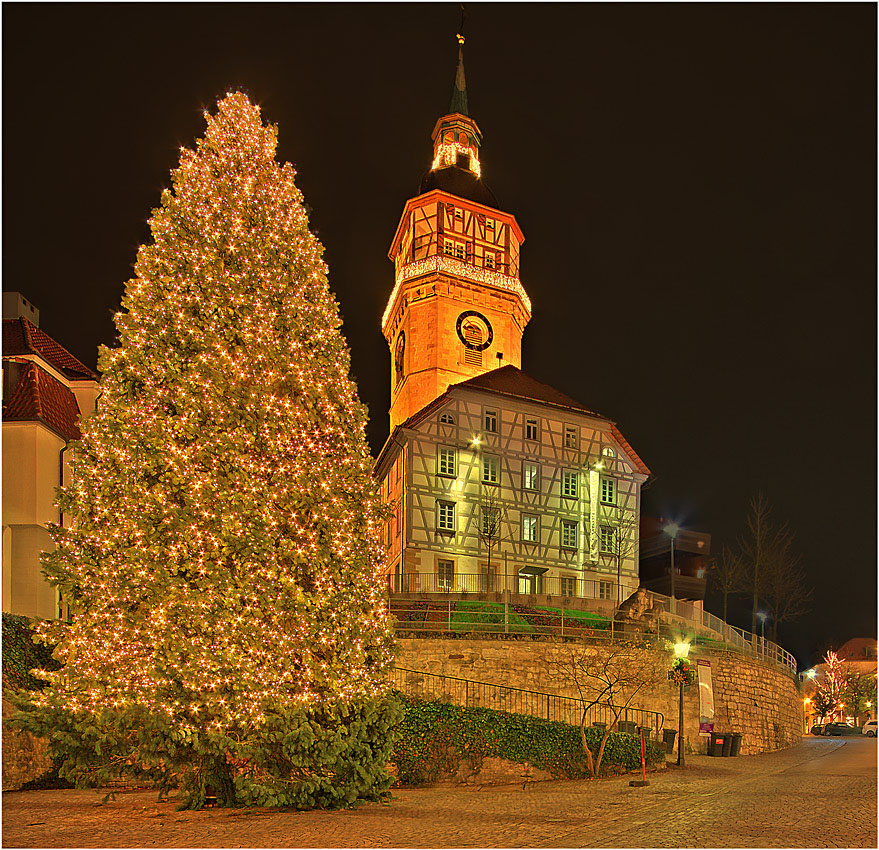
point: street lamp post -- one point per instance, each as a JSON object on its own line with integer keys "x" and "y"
{"x": 762, "y": 616}
{"x": 671, "y": 529}
{"x": 682, "y": 675}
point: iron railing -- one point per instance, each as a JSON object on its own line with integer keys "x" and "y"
{"x": 468, "y": 692}
{"x": 555, "y": 605}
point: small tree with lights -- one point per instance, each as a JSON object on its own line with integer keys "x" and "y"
{"x": 229, "y": 634}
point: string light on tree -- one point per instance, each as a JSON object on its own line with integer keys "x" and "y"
{"x": 223, "y": 564}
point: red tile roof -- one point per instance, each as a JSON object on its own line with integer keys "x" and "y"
{"x": 855, "y": 650}
{"x": 38, "y": 397}
{"x": 23, "y": 337}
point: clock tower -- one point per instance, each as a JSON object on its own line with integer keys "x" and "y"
{"x": 457, "y": 309}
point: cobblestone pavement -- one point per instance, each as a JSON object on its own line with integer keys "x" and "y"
{"x": 821, "y": 793}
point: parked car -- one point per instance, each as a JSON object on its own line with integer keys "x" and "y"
{"x": 869, "y": 729}
{"x": 817, "y": 729}
{"x": 838, "y": 728}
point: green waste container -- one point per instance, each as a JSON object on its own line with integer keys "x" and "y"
{"x": 599, "y": 725}
{"x": 736, "y": 745}
{"x": 668, "y": 738}
{"x": 727, "y": 744}
{"x": 628, "y": 726}
{"x": 646, "y": 730}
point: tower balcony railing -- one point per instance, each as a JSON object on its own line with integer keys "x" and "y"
{"x": 518, "y": 604}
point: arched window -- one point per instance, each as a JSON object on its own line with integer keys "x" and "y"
{"x": 399, "y": 351}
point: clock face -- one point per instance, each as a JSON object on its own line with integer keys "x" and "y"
{"x": 474, "y": 330}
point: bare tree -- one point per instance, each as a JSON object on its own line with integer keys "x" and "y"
{"x": 756, "y": 545}
{"x": 623, "y": 537}
{"x": 490, "y": 522}
{"x": 610, "y": 677}
{"x": 784, "y": 587}
{"x": 727, "y": 572}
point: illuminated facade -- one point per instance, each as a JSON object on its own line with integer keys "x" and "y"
{"x": 497, "y": 482}
{"x": 45, "y": 392}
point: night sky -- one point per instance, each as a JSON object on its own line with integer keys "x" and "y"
{"x": 696, "y": 184}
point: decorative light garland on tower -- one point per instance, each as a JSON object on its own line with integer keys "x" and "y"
{"x": 447, "y": 152}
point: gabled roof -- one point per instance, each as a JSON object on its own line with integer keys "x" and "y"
{"x": 38, "y": 397}
{"x": 23, "y": 337}
{"x": 855, "y": 650}
{"x": 510, "y": 381}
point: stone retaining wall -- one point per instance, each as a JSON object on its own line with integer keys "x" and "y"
{"x": 760, "y": 701}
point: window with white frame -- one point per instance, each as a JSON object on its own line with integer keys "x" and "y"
{"x": 608, "y": 491}
{"x": 530, "y": 476}
{"x": 491, "y": 421}
{"x": 490, "y": 469}
{"x": 445, "y": 574}
{"x": 446, "y": 462}
{"x": 605, "y": 590}
{"x": 568, "y": 585}
{"x": 445, "y": 516}
{"x": 569, "y": 534}
{"x": 570, "y": 437}
{"x": 608, "y": 539}
{"x": 532, "y": 430}
{"x": 569, "y": 484}
{"x": 529, "y": 528}
{"x": 607, "y": 451}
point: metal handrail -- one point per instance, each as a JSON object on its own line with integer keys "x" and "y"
{"x": 579, "y": 592}
{"x": 564, "y": 709}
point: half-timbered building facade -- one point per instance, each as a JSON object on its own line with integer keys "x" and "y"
{"x": 497, "y": 482}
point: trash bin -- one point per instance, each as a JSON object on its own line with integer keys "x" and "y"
{"x": 646, "y": 730}
{"x": 628, "y": 726}
{"x": 727, "y": 744}
{"x": 716, "y": 742}
{"x": 599, "y": 725}
{"x": 736, "y": 743}
{"x": 668, "y": 738}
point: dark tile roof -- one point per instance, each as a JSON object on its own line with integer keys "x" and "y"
{"x": 509, "y": 380}
{"x": 38, "y": 397}
{"x": 854, "y": 650}
{"x": 23, "y": 337}
{"x": 458, "y": 181}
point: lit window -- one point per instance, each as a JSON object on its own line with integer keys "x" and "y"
{"x": 569, "y": 534}
{"x": 445, "y": 516}
{"x": 569, "y": 484}
{"x": 529, "y": 528}
{"x": 489, "y": 261}
{"x": 445, "y": 574}
{"x": 608, "y": 452}
{"x": 570, "y": 437}
{"x": 447, "y": 419}
{"x": 568, "y": 586}
{"x": 491, "y": 421}
{"x": 605, "y": 590}
{"x": 608, "y": 539}
{"x": 446, "y": 462}
{"x": 608, "y": 491}
{"x": 490, "y": 468}
{"x": 531, "y": 430}
{"x": 530, "y": 476}
{"x": 454, "y": 248}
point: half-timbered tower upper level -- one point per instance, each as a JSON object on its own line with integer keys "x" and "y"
{"x": 458, "y": 308}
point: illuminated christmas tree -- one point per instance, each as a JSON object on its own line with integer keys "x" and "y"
{"x": 223, "y": 560}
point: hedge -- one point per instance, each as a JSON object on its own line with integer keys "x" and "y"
{"x": 21, "y": 654}
{"x": 435, "y": 737}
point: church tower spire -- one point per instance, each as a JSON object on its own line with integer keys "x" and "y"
{"x": 458, "y": 308}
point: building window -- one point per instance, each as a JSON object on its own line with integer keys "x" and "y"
{"x": 608, "y": 539}
{"x": 569, "y": 534}
{"x": 530, "y": 476}
{"x": 490, "y": 467}
{"x": 445, "y": 574}
{"x": 489, "y": 261}
{"x": 605, "y": 590}
{"x": 570, "y": 437}
{"x": 491, "y": 522}
{"x": 473, "y": 336}
{"x": 531, "y": 430}
{"x": 447, "y": 419}
{"x": 445, "y": 516}
{"x": 608, "y": 452}
{"x": 529, "y": 528}
{"x": 568, "y": 586}
{"x": 454, "y": 248}
{"x": 491, "y": 421}
{"x": 608, "y": 491}
{"x": 569, "y": 484}
{"x": 446, "y": 462}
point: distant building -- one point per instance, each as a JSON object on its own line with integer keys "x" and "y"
{"x": 497, "y": 481}
{"x": 46, "y": 391}
{"x": 691, "y": 553}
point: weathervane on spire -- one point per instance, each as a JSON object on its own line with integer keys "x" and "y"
{"x": 459, "y": 93}
{"x": 460, "y": 34}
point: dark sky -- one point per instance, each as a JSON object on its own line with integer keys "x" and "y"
{"x": 696, "y": 184}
